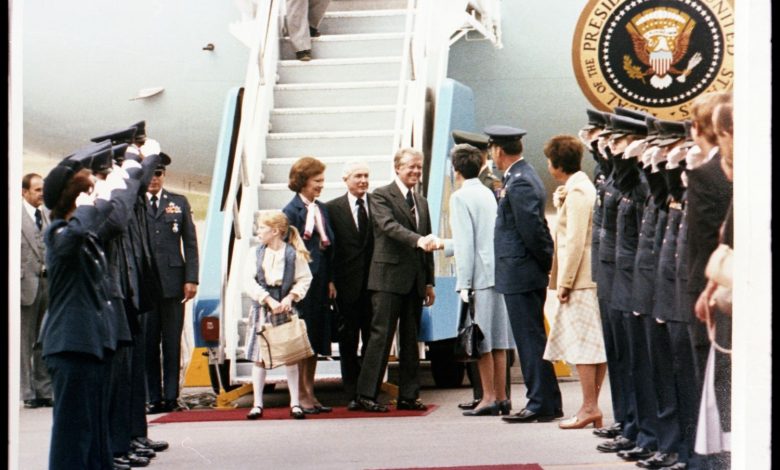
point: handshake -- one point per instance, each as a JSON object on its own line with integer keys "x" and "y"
{"x": 430, "y": 243}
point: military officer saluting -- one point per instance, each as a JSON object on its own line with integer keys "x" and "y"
{"x": 480, "y": 141}
{"x": 174, "y": 247}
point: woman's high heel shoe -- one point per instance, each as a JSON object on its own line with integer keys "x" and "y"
{"x": 576, "y": 423}
{"x": 490, "y": 410}
{"x": 504, "y": 407}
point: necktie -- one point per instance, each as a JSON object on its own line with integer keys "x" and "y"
{"x": 410, "y": 202}
{"x": 154, "y": 204}
{"x": 38, "y": 219}
{"x": 362, "y": 217}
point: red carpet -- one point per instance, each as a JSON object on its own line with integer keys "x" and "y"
{"x": 513, "y": 466}
{"x": 239, "y": 414}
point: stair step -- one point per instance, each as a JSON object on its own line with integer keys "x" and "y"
{"x": 349, "y": 46}
{"x": 329, "y": 144}
{"x": 336, "y": 94}
{"x": 333, "y": 118}
{"x": 340, "y": 70}
{"x": 349, "y": 5}
{"x": 277, "y": 170}
{"x": 363, "y": 21}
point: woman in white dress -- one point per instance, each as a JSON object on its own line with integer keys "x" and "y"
{"x": 472, "y": 219}
{"x": 575, "y": 332}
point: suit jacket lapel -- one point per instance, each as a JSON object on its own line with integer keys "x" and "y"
{"x": 28, "y": 232}
{"x": 400, "y": 201}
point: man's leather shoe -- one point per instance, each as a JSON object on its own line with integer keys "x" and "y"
{"x": 31, "y": 404}
{"x": 677, "y": 466}
{"x": 353, "y": 405}
{"x": 637, "y": 453}
{"x": 156, "y": 407}
{"x": 658, "y": 460}
{"x": 136, "y": 461}
{"x": 470, "y": 405}
{"x": 143, "y": 452}
{"x": 609, "y": 432}
{"x": 120, "y": 466}
{"x": 314, "y": 32}
{"x": 47, "y": 402}
{"x": 415, "y": 405}
{"x": 616, "y": 445}
{"x": 370, "y": 405}
{"x": 121, "y": 460}
{"x": 527, "y": 416}
{"x": 157, "y": 446}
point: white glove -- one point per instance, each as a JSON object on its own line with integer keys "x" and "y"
{"x": 675, "y": 156}
{"x": 85, "y": 199}
{"x": 647, "y": 154}
{"x": 659, "y": 156}
{"x": 150, "y": 147}
{"x": 121, "y": 171}
{"x": 602, "y": 144}
{"x": 115, "y": 181}
{"x": 634, "y": 149}
{"x": 127, "y": 164}
{"x": 132, "y": 153}
{"x": 464, "y": 295}
{"x": 694, "y": 158}
{"x": 583, "y": 136}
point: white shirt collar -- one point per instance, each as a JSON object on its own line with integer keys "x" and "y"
{"x": 509, "y": 169}
{"x": 713, "y": 151}
{"x": 401, "y": 186}
{"x": 149, "y": 195}
{"x": 29, "y": 208}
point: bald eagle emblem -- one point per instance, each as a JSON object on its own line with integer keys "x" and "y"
{"x": 660, "y": 37}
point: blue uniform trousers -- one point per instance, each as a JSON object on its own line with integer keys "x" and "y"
{"x": 79, "y": 436}
{"x": 640, "y": 376}
{"x": 163, "y": 328}
{"x": 526, "y": 315}
{"x": 662, "y": 361}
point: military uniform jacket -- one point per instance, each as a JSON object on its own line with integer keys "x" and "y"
{"x": 629, "y": 220}
{"x": 173, "y": 243}
{"x": 665, "y": 306}
{"x": 649, "y": 244}
{"x": 33, "y": 254}
{"x": 79, "y": 303}
{"x": 352, "y": 253}
{"x": 397, "y": 265}
{"x": 684, "y": 307}
{"x": 606, "y": 242}
{"x": 523, "y": 244}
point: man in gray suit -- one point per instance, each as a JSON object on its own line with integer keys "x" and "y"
{"x": 401, "y": 282}
{"x": 36, "y": 383}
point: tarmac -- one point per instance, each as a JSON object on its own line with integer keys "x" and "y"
{"x": 443, "y": 438}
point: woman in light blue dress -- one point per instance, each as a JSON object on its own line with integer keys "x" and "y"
{"x": 472, "y": 219}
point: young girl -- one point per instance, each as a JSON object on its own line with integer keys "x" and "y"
{"x": 277, "y": 277}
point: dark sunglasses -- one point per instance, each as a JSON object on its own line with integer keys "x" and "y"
{"x": 159, "y": 173}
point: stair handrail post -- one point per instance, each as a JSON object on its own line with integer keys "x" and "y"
{"x": 402, "y": 85}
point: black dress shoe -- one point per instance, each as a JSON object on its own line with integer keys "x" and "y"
{"x": 303, "y": 56}
{"x": 637, "y": 453}
{"x": 677, "y": 466}
{"x": 470, "y": 405}
{"x": 156, "y": 407}
{"x": 609, "y": 432}
{"x": 136, "y": 461}
{"x": 659, "y": 460}
{"x": 31, "y": 404}
{"x": 616, "y": 445}
{"x": 143, "y": 452}
{"x": 47, "y": 402}
{"x": 370, "y": 405}
{"x": 527, "y": 416}
{"x": 415, "y": 405}
{"x": 353, "y": 405}
{"x": 490, "y": 410}
{"x": 314, "y": 32}
{"x": 121, "y": 460}
{"x": 120, "y": 466}
{"x": 157, "y": 446}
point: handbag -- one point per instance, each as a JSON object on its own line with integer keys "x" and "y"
{"x": 469, "y": 334}
{"x": 284, "y": 343}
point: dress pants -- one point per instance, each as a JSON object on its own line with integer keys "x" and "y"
{"x": 687, "y": 393}
{"x": 163, "y": 327}
{"x": 641, "y": 379}
{"x": 526, "y": 315}
{"x": 617, "y": 363}
{"x": 390, "y": 310}
{"x": 662, "y": 363}
{"x": 79, "y": 436}
{"x": 138, "y": 424}
{"x": 119, "y": 400}
{"x": 354, "y": 324}
{"x": 35, "y": 380}
{"x": 302, "y": 14}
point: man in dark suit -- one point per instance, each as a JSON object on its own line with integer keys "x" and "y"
{"x": 524, "y": 252}
{"x": 174, "y": 247}
{"x": 36, "y": 383}
{"x": 401, "y": 282}
{"x": 350, "y": 219}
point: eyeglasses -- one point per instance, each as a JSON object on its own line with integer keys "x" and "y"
{"x": 159, "y": 173}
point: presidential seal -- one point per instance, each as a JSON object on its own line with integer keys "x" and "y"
{"x": 654, "y": 55}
